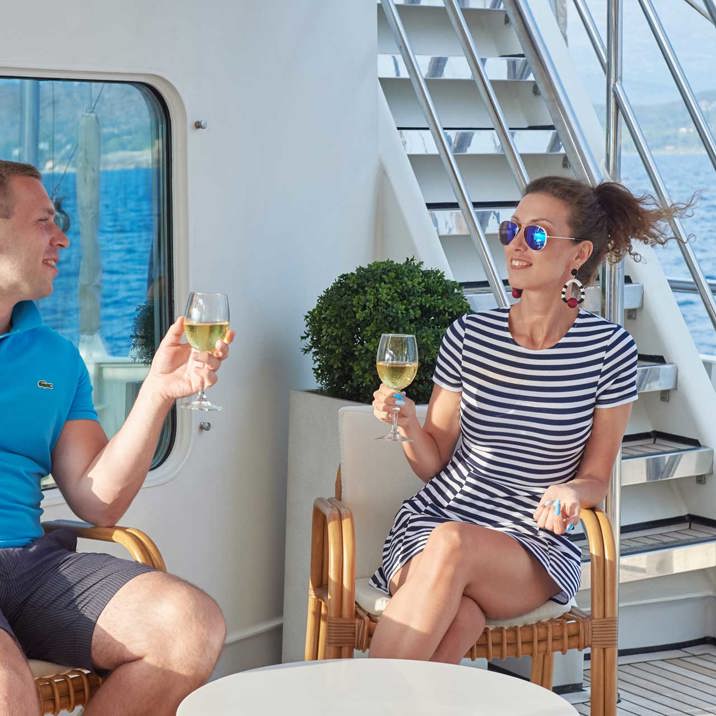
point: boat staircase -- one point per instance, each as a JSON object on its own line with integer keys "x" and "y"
{"x": 485, "y": 98}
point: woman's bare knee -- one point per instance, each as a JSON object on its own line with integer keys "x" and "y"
{"x": 448, "y": 536}
{"x": 449, "y": 549}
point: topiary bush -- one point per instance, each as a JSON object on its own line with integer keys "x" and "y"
{"x": 343, "y": 330}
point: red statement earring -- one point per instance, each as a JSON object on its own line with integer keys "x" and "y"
{"x": 573, "y": 291}
{"x": 516, "y": 293}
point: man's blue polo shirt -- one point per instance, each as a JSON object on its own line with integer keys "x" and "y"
{"x": 44, "y": 384}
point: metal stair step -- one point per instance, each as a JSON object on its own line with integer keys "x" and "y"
{"x": 660, "y": 548}
{"x": 653, "y": 374}
{"x": 480, "y": 141}
{"x": 654, "y": 456}
{"x": 459, "y": 104}
{"x": 450, "y": 221}
{"x": 487, "y": 176}
{"x": 430, "y": 32}
{"x": 436, "y": 67}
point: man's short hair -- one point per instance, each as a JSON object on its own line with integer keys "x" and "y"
{"x": 12, "y": 169}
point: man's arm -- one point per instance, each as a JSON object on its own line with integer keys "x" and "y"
{"x": 99, "y": 478}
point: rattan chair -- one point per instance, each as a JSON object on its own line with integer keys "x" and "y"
{"x": 63, "y": 687}
{"x": 342, "y": 613}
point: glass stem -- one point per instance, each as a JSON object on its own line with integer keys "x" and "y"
{"x": 202, "y": 394}
{"x": 394, "y": 426}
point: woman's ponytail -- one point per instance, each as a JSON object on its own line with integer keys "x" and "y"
{"x": 609, "y": 216}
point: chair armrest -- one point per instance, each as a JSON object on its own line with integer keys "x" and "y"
{"x": 348, "y": 560}
{"x": 603, "y": 563}
{"x": 331, "y": 580}
{"x": 139, "y": 545}
{"x": 326, "y": 568}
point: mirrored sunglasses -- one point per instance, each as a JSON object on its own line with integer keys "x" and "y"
{"x": 535, "y": 235}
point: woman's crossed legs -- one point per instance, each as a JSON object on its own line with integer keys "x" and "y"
{"x": 442, "y": 597}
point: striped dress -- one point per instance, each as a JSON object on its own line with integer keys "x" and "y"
{"x": 525, "y": 418}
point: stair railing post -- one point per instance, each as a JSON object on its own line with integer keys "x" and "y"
{"x": 612, "y": 282}
{"x": 454, "y": 176}
{"x": 613, "y": 274}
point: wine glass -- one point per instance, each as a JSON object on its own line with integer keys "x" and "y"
{"x": 397, "y": 364}
{"x": 206, "y": 320}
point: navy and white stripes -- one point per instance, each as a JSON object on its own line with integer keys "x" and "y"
{"x": 526, "y": 416}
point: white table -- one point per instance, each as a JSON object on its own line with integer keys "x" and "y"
{"x": 373, "y": 687}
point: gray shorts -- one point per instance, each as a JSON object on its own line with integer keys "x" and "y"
{"x": 51, "y": 597}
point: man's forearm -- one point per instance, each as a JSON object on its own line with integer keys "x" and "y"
{"x": 118, "y": 471}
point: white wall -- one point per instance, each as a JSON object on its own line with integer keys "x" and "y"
{"x": 273, "y": 200}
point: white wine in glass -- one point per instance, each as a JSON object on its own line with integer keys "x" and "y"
{"x": 206, "y": 320}
{"x": 397, "y": 365}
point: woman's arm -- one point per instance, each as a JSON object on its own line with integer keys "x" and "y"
{"x": 433, "y": 444}
{"x": 590, "y": 485}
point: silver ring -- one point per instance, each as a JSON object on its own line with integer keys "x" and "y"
{"x": 548, "y": 503}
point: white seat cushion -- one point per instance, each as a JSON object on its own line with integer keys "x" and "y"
{"x": 371, "y": 599}
{"x": 374, "y": 602}
{"x": 46, "y": 668}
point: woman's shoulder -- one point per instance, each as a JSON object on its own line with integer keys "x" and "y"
{"x": 490, "y": 317}
{"x": 493, "y": 320}
{"x": 600, "y": 327}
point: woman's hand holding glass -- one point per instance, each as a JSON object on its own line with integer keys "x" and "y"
{"x": 558, "y": 510}
{"x": 385, "y": 403}
{"x": 397, "y": 365}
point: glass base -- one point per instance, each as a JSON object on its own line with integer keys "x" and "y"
{"x": 203, "y": 405}
{"x": 394, "y": 438}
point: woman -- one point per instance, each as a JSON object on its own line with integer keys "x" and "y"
{"x": 540, "y": 395}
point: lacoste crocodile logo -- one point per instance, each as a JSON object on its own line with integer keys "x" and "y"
{"x": 45, "y": 385}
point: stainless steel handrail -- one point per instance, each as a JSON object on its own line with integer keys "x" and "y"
{"x": 711, "y": 9}
{"x": 484, "y": 86}
{"x": 614, "y": 77}
{"x": 557, "y": 98}
{"x": 680, "y": 285}
{"x": 649, "y": 164}
{"x": 613, "y": 274}
{"x": 682, "y": 83}
{"x": 454, "y": 175}
{"x": 590, "y": 26}
{"x": 710, "y": 17}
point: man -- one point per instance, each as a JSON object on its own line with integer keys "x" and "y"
{"x": 158, "y": 636}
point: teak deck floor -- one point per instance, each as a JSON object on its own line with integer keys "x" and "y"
{"x": 666, "y": 683}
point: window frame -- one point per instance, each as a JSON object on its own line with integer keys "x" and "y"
{"x": 165, "y": 235}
